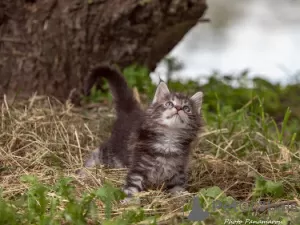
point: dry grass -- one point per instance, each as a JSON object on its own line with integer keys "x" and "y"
{"x": 46, "y": 138}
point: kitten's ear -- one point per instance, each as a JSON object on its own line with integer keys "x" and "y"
{"x": 197, "y": 99}
{"x": 161, "y": 91}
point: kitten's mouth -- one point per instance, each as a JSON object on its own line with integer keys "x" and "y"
{"x": 176, "y": 115}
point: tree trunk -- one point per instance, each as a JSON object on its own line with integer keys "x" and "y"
{"x": 48, "y": 46}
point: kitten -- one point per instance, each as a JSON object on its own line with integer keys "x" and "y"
{"x": 154, "y": 144}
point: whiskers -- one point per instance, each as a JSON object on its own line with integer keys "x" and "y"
{"x": 169, "y": 117}
{"x": 185, "y": 119}
{"x": 177, "y": 117}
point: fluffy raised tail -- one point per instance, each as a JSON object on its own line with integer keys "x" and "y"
{"x": 122, "y": 94}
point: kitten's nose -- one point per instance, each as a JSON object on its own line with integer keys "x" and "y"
{"x": 178, "y": 107}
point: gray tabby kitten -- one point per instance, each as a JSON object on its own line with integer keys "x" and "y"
{"x": 154, "y": 144}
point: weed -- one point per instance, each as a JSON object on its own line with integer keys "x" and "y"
{"x": 248, "y": 151}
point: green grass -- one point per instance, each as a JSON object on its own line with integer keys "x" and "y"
{"x": 248, "y": 152}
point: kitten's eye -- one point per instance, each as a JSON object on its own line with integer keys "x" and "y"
{"x": 186, "y": 109}
{"x": 169, "y": 104}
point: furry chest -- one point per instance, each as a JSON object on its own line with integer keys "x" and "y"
{"x": 163, "y": 170}
{"x": 166, "y": 145}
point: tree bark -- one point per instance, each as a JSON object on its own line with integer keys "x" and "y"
{"x": 48, "y": 46}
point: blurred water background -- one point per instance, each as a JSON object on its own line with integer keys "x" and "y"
{"x": 261, "y": 36}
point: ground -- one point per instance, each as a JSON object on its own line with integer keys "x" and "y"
{"x": 50, "y": 140}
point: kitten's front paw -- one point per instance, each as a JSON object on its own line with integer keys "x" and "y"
{"x": 125, "y": 201}
{"x": 130, "y": 200}
{"x": 177, "y": 190}
{"x": 130, "y": 191}
{"x": 81, "y": 173}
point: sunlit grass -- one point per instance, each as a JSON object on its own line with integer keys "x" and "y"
{"x": 248, "y": 152}
{"x": 241, "y": 155}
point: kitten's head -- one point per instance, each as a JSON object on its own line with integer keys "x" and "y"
{"x": 175, "y": 110}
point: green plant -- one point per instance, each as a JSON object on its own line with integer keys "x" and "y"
{"x": 43, "y": 204}
{"x": 267, "y": 187}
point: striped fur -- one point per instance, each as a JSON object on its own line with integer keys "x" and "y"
{"x": 153, "y": 144}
